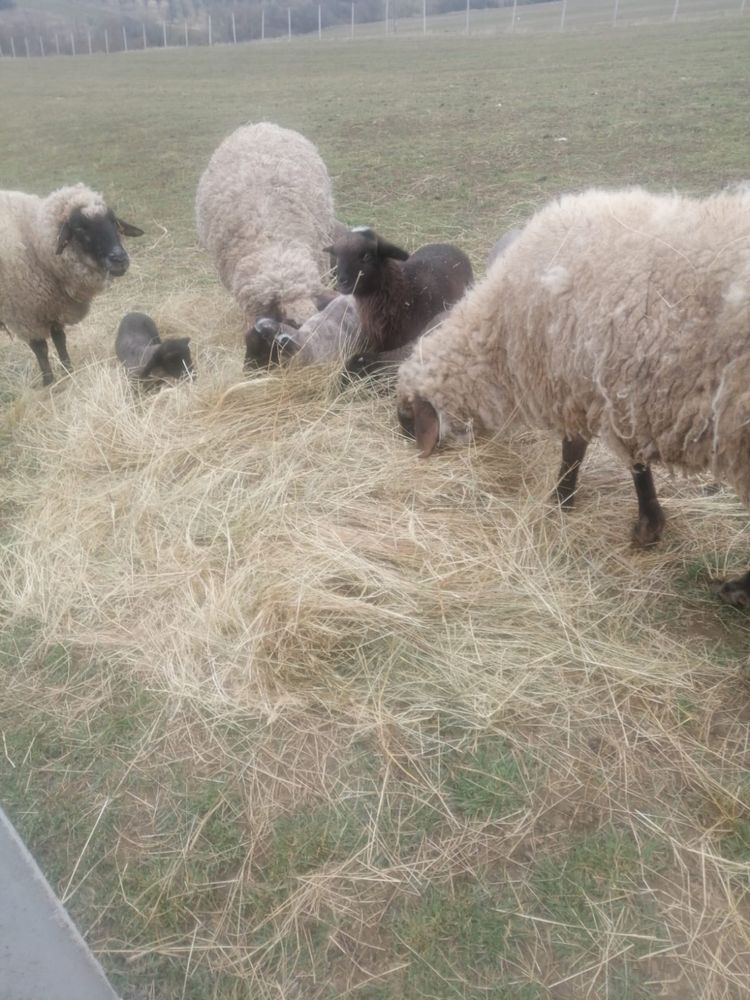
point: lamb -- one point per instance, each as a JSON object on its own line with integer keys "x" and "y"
{"x": 148, "y": 358}
{"x": 621, "y": 314}
{"x": 334, "y": 333}
{"x": 264, "y": 211}
{"x": 56, "y": 254}
{"x": 397, "y": 294}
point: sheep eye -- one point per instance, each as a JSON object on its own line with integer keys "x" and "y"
{"x": 367, "y": 258}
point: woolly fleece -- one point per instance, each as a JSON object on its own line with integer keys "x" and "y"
{"x": 621, "y": 314}
{"x": 264, "y": 211}
{"x": 37, "y": 286}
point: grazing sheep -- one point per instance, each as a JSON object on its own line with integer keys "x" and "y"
{"x": 623, "y": 315}
{"x": 332, "y": 334}
{"x": 56, "y": 254}
{"x": 264, "y": 211}
{"x": 396, "y": 294}
{"x": 146, "y": 356}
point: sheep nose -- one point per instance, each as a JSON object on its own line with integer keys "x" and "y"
{"x": 117, "y": 261}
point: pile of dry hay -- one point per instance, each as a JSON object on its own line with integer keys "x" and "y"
{"x": 271, "y": 544}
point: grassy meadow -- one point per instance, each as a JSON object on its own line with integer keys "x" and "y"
{"x": 289, "y": 713}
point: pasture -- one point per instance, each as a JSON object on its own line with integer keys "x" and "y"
{"x": 288, "y": 712}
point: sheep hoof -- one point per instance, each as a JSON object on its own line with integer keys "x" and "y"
{"x": 734, "y": 592}
{"x": 47, "y": 378}
{"x": 564, "y": 499}
{"x": 648, "y": 529}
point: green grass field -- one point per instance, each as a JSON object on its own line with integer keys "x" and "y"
{"x": 287, "y": 713}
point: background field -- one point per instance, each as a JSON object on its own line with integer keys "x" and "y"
{"x": 289, "y": 713}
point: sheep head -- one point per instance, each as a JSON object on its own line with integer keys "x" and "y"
{"x": 361, "y": 258}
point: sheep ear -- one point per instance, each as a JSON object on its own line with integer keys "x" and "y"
{"x": 63, "y": 237}
{"x": 386, "y": 249}
{"x": 426, "y": 426}
{"x": 125, "y": 228}
{"x": 330, "y": 249}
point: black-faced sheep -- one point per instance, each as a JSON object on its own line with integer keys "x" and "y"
{"x": 397, "y": 295}
{"x": 264, "y": 211}
{"x": 623, "y": 315}
{"x": 146, "y": 356}
{"x": 56, "y": 254}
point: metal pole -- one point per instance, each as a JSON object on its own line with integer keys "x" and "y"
{"x": 614, "y": 14}
{"x": 320, "y": 24}
{"x": 72, "y": 44}
{"x": 562, "y": 15}
{"x": 468, "y": 12}
{"x": 57, "y": 43}
{"x": 106, "y": 41}
{"x": 41, "y": 45}
{"x": 88, "y": 36}
{"x": 210, "y": 34}
{"x": 124, "y": 40}
{"x": 164, "y": 32}
{"x": 26, "y": 44}
{"x": 742, "y": 8}
{"x": 386, "y": 17}
{"x": 12, "y": 47}
{"x": 234, "y": 30}
{"x": 424, "y": 17}
{"x": 674, "y": 11}
{"x": 352, "y": 20}
{"x": 187, "y": 43}
{"x": 289, "y": 23}
{"x": 513, "y": 22}
{"x": 262, "y": 24}
{"x": 143, "y": 29}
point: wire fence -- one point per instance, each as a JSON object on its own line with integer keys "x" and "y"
{"x": 557, "y": 15}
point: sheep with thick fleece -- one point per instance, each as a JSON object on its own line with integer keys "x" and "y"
{"x": 264, "y": 211}
{"x": 56, "y": 254}
{"x": 618, "y": 314}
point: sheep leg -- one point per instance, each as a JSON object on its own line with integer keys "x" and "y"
{"x": 573, "y": 452}
{"x": 39, "y": 347}
{"x": 650, "y": 523}
{"x": 58, "y": 339}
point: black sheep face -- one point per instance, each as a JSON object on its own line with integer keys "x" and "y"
{"x": 361, "y": 256}
{"x": 98, "y": 238}
{"x": 173, "y": 359}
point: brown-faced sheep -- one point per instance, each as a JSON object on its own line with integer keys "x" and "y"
{"x": 56, "y": 254}
{"x": 622, "y": 315}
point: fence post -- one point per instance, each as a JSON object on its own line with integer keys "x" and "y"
{"x": 468, "y": 13}
{"x": 26, "y": 44}
{"x": 320, "y": 24}
{"x": 386, "y": 17}
{"x": 675, "y": 9}
{"x": 88, "y": 36}
{"x": 124, "y": 40}
{"x": 41, "y": 45}
{"x": 262, "y": 24}
{"x": 164, "y": 33}
{"x": 562, "y": 15}
{"x": 614, "y": 13}
{"x": 143, "y": 29}
{"x": 72, "y": 44}
{"x": 210, "y": 33}
{"x": 513, "y": 21}
{"x": 12, "y": 47}
{"x": 234, "y": 30}
{"x": 352, "y": 21}
{"x": 187, "y": 43}
{"x": 424, "y": 17}
{"x": 106, "y": 41}
{"x": 289, "y": 24}
{"x": 57, "y": 43}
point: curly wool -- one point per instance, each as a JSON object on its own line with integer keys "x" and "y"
{"x": 264, "y": 211}
{"x": 37, "y": 286}
{"x": 623, "y": 315}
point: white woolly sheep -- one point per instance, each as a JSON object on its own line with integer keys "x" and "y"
{"x": 56, "y": 254}
{"x": 148, "y": 358}
{"x": 500, "y": 247}
{"x": 623, "y": 315}
{"x": 397, "y": 294}
{"x": 264, "y": 211}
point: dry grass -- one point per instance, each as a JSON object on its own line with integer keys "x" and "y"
{"x": 397, "y": 639}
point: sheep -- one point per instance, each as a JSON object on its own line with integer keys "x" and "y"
{"x": 619, "y": 314}
{"x": 397, "y": 294}
{"x": 146, "y": 356}
{"x": 264, "y": 211}
{"x": 334, "y": 333}
{"x": 56, "y": 254}
{"x": 502, "y": 245}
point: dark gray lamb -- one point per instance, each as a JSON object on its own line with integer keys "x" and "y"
{"x": 397, "y": 295}
{"x": 146, "y": 356}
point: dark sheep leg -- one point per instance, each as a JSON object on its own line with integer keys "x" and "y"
{"x": 39, "y": 347}
{"x": 58, "y": 339}
{"x": 650, "y": 523}
{"x": 573, "y": 452}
